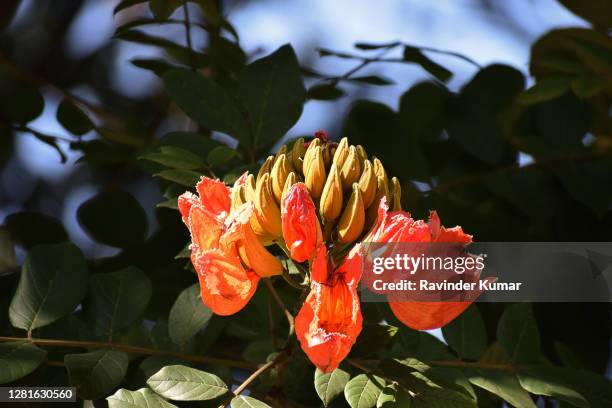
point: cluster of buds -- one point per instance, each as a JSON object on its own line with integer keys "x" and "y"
{"x": 345, "y": 184}
{"x": 318, "y": 201}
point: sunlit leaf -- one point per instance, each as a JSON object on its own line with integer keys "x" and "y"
{"x": 144, "y": 397}
{"x": 97, "y": 373}
{"x": 182, "y": 383}
{"x": 330, "y": 385}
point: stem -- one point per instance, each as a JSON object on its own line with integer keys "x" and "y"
{"x": 188, "y": 35}
{"x": 130, "y": 349}
{"x": 279, "y": 301}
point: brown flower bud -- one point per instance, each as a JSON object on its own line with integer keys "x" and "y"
{"x": 265, "y": 167}
{"x": 380, "y": 170}
{"x": 331, "y": 197}
{"x": 396, "y": 195}
{"x": 342, "y": 151}
{"x": 368, "y": 183}
{"x": 249, "y": 188}
{"x": 314, "y": 172}
{"x": 382, "y": 190}
{"x": 238, "y": 197}
{"x": 291, "y": 180}
{"x": 282, "y": 150}
{"x": 267, "y": 211}
{"x": 361, "y": 152}
{"x": 351, "y": 169}
{"x": 278, "y": 175}
{"x": 352, "y": 219}
{"x": 312, "y": 146}
{"x": 297, "y": 154}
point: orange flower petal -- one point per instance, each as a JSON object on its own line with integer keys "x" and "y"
{"x": 330, "y": 319}
{"x": 225, "y": 286}
{"x": 214, "y": 196}
{"x": 300, "y": 225}
{"x": 185, "y": 202}
{"x": 205, "y": 230}
{"x": 427, "y": 315}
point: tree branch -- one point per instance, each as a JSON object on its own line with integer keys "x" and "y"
{"x": 131, "y": 349}
{"x": 279, "y": 301}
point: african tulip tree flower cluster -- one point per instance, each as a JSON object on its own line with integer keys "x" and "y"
{"x": 318, "y": 201}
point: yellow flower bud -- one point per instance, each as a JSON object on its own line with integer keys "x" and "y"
{"x": 297, "y": 154}
{"x": 331, "y": 197}
{"x": 380, "y": 170}
{"x": 382, "y": 190}
{"x": 368, "y": 183}
{"x": 314, "y": 172}
{"x": 291, "y": 180}
{"x": 238, "y": 197}
{"x": 265, "y": 167}
{"x": 342, "y": 151}
{"x": 282, "y": 150}
{"x": 314, "y": 143}
{"x": 352, "y": 219}
{"x": 327, "y": 154}
{"x": 267, "y": 212}
{"x": 351, "y": 169}
{"x": 396, "y": 195}
{"x": 361, "y": 152}
{"x": 249, "y": 188}
{"x": 278, "y": 175}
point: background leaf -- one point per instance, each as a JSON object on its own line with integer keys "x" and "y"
{"x": 18, "y": 359}
{"x": 97, "y": 373}
{"x": 273, "y": 93}
{"x": 330, "y": 385}
{"x": 41, "y": 296}
{"x": 114, "y": 218}
{"x": 518, "y": 334}
{"x": 117, "y": 299}
{"x": 73, "y": 119}
{"x": 144, "y": 397}
{"x": 182, "y": 383}
{"x": 188, "y": 315}
{"x": 467, "y": 334}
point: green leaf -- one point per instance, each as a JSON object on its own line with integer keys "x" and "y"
{"x": 325, "y": 92}
{"x": 413, "y": 54}
{"x": 594, "y": 387}
{"x": 53, "y": 282}
{"x": 545, "y": 89}
{"x": 549, "y": 382}
{"x": 30, "y": 228}
{"x": 117, "y": 299}
{"x": 158, "y": 66}
{"x": 144, "y": 397}
{"x": 8, "y": 261}
{"x": 188, "y": 315}
{"x": 273, "y": 93}
{"x": 502, "y": 384}
{"x": 97, "y": 373}
{"x": 175, "y": 158}
{"x": 187, "y": 178}
{"x": 205, "y": 102}
{"x": 330, "y": 385}
{"x": 18, "y": 359}
{"x": 182, "y": 383}
{"x": 467, "y": 334}
{"x": 220, "y": 155}
{"x": 73, "y": 119}
{"x": 436, "y": 397}
{"x": 373, "y": 337}
{"x": 20, "y": 102}
{"x": 518, "y": 335}
{"x": 247, "y": 402}
{"x": 114, "y": 218}
{"x": 587, "y": 86}
{"x": 363, "y": 390}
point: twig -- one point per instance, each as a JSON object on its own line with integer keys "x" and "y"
{"x": 131, "y": 349}
{"x": 288, "y": 315}
{"x": 188, "y": 35}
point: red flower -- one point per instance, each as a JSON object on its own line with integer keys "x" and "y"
{"x": 301, "y": 229}
{"x": 221, "y": 243}
{"x": 330, "y": 319}
{"x": 398, "y": 226}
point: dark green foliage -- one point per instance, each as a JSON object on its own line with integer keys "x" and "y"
{"x": 506, "y": 161}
